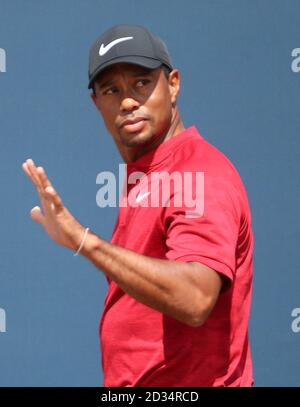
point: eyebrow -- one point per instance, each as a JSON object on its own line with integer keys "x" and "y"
{"x": 105, "y": 84}
{"x": 141, "y": 72}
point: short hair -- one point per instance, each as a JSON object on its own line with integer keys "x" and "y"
{"x": 165, "y": 69}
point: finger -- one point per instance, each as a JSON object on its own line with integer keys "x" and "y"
{"x": 36, "y": 215}
{"x": 33, "y": 174}
{"x": 55, "y": 199}
{"x": 43, "y": 177}
{"x": 25, "y": 167}
{"x": 50, "y": 199}
{"x": 29, "y": 174}
{"x": 37, "y": 181}
{"x": 26, "y": 170}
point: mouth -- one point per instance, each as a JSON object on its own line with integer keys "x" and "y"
{"x": 133, "y": 125}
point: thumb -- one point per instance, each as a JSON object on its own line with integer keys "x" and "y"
{"x": 36, "y": 215}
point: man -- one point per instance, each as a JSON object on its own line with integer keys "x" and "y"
{"x": 180, "y": 272}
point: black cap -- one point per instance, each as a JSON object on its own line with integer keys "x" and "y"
{"x": 130, "y": 44}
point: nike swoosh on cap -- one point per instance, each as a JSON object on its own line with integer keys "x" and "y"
{"x": 105, "y": 48}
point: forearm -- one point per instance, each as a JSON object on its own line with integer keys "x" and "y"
{"x": 165, "y": 285}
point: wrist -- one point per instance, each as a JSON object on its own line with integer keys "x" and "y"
{"x": 82, "y": 241}
{"x": 90, "y": 244}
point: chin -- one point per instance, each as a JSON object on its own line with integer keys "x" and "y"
{"x": 135, "y": 139}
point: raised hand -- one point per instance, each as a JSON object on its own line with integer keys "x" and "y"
{"x": 57, "y": 221}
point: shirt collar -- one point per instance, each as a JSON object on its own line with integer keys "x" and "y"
{"x": 163, "y": 151}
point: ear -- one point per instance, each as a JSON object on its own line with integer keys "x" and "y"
{"x": 174, "y": 84}
{"x": 94, "y": 98}
{"x": 95, "y": 101}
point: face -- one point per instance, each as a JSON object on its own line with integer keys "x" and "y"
{"x": 137, "y": 105}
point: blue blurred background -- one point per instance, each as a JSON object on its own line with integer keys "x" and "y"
{"x": 238, "y": 88}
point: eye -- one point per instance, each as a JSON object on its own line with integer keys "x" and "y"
{"x": 142, "y": 82}
{"x": 110, "y": 91}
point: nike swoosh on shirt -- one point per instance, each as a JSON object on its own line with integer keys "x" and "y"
{"x": 105, "y": 48}
{"x": 140, "y": 196}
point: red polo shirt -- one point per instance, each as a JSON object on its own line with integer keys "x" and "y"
{"x": 143, "y": 347}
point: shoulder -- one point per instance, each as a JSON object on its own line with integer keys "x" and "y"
{"x": 221, "y": 177}
{"x": 196, "y": 153}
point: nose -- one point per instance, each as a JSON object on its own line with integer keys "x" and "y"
{"x": 129, "y": 104}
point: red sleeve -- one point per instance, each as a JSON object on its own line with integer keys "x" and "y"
{"x": 211, "y": 237}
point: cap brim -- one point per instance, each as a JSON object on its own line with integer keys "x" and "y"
{"x": 134, "y": 60}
